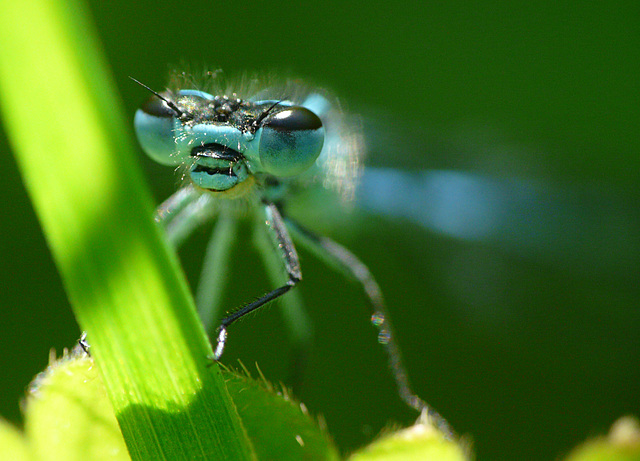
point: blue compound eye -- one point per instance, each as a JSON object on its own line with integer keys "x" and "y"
{"x": 291, "y": 141}
{"x": 154, "y": 124}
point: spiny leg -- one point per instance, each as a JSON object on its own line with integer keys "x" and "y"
{"x": 291, "y": 306}
{"x": 282, "y": 242}
{"x": 341, "y": 259}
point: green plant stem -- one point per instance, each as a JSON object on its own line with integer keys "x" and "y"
{"x": 73, "y": 148}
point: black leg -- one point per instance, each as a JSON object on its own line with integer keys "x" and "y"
{"x": 282, "y": 242}
{"x": 294, "y": 317}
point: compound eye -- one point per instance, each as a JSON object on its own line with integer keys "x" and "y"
{"x": 291, "y": 141}
{"x": 154, "y": 124}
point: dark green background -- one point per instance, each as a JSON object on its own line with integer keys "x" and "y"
{"x": 529, "y": 356}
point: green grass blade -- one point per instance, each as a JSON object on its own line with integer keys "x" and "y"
{"x": 73, "y": 148}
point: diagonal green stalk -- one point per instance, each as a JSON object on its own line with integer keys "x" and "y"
{"x": 67, "y": 129}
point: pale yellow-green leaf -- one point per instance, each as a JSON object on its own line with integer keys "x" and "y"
{"x": 13, "y": 444}
{"x": 420, "y": 442}
{"x": 621, "y": 444}
{"x": 68, "y": 415}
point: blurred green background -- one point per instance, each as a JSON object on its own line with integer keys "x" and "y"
{"x": 528, "y": 354}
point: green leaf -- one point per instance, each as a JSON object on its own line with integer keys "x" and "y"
{"x": 621, "y": 444}
{"x": 13, "y": 444}
{"x": 420, "y": 442}
{"x": 278, "y": 426}
{"x": 68, "y": 415}
{"x": 71, "y": 140}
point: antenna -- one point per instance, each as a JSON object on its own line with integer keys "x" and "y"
{"x": 264, "y": 114}
{"x": 169, "y": 103}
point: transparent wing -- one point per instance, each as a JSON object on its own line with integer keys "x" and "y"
{"x": 468, "y": 186}
{"x": 576, "y": 227}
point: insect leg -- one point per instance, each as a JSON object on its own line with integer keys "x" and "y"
{"x": 184, "y": 212}
{"x": 284, "y": 246}
{"x": 168, "y": 209}
{"x": 214, "y": 273}
{"x": 342, "y": 260}
{"x": 297, "y": 323}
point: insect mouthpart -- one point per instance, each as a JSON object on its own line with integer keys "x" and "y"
{"x": 217, "y": 151}
{"x": 217, "y": 168}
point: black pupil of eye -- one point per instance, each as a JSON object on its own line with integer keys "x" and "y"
{"x": 294, "y": 119}
{"x": 158, "y": 108}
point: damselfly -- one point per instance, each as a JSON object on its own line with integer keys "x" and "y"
{"x": 245, "y": 151}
